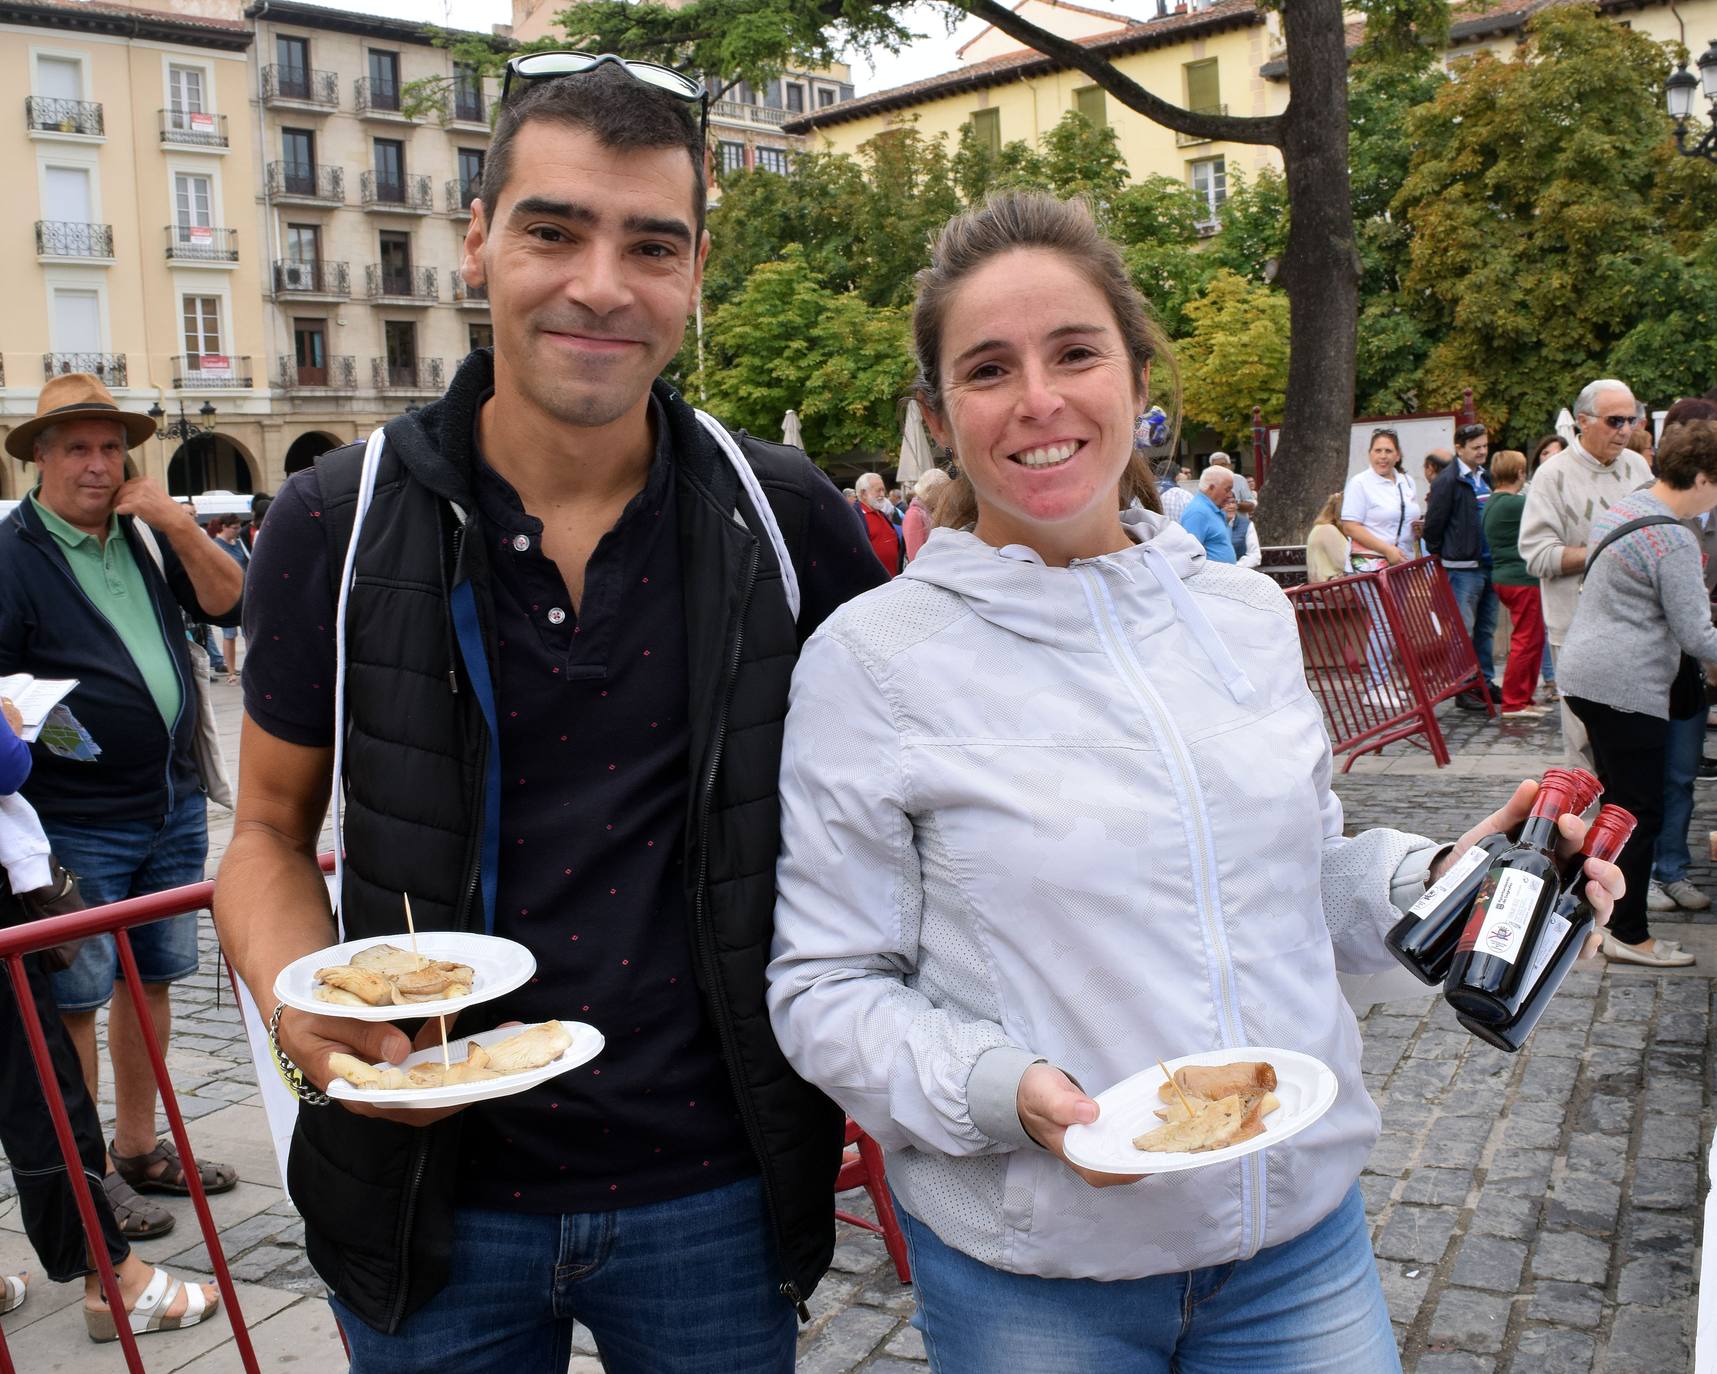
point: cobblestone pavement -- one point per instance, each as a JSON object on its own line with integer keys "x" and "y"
{"x": 1535, "y": 1213}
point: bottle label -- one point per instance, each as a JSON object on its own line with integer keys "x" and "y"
{"x": 1507, "y": 914}
{"x": 1556, "y": 925}
{"x": 1459, "y": 871}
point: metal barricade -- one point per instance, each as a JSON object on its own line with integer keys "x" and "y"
{"x": 116, "y": 919}
{"x": 1382, "y": 650}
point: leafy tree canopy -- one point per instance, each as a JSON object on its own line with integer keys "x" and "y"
{"x": 1236, "y": 356}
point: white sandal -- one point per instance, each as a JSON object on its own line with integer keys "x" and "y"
{"x": 148, "y": 1312}
{"x": 17, "y": 1288}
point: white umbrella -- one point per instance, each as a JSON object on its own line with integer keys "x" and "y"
{"x": 790, "y": 429}
{"x": 916, "y": 455}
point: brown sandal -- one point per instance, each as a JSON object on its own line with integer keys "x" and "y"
{"x": 134, "y": 1169}
{"x": 137, "y": 1219}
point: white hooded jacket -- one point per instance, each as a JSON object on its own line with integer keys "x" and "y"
{"x": 1077, "y": 814}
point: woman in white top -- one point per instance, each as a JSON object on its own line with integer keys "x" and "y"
{"x": 1379, "y": 506}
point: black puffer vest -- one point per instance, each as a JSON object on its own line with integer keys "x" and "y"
{"x": 377, "y": 1198}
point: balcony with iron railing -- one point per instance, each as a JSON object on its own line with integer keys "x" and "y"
{"x": 468, "y": 107}
{"x": 1189, "y": 140}
{"x": 475, "y": 296}
{"x": 316, "y": 278}
{"x": 193, "y": 129}
{"x": 68, "y": 239}
{"x": 201, "y": 243}
{"x": 210, "y": 372}
{"x": 461, "y": 191}
{"x": 373, "y": 99}
{"x": 402, "y": 285}
{"x": 306, "y": 183}
{"x": 110, "y": 367}
{"x": 406, "y": 195}
{"x": 300, "y": 88}
{"x": 340, "y": 374}
{"x": 50, "y": 115}
{"x": 422, "y": 376}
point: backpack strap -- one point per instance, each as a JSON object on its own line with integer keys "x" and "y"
{"x": 1628, "y": 528}
{"x": 742, "y": 466}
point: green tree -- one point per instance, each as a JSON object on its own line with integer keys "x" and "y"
{"x": 787, "y": 341}
{"x": 1156, "y": 223}
{"x": 1254, "y": 220}
{"x": 1236, "y": 356}
{"x": 1083, "y": 159}
{"x": 978, "y": 169}
{"x": 761, "y": 211}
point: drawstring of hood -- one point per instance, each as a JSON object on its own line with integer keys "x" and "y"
{"x": 1240, "y": 688}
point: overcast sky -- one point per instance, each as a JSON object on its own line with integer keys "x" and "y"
{"x": 931, "y": 54}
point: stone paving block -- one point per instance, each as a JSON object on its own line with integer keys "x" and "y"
{"x": 906, "y": 1344}
{"x": 855, "y": 1257}
{"x": 1571, "y": 1257}
{"x": 1501, "y": 1211}
{"x": 1453, "y": 1362}
{"x": 885, "y": 1290}
{"x": 1404, "y": 1288}
{"x": 1566, "y": 1304}
{"x": 1605, "y": 1114}
{"x": 1553, "y": 1350}
{"x": 1391, "y": 1153}
{"x": 583, "y": 1340}
{"x": 849, "y": 1337}
{"x": 1666, "y": 1184}
{"x": 1646, "y": 1340}
{"x": 1449, "y": 1127}
{"x": 1528, "y": 1170}
{"x": 1669, "y": 1137}
{"x": 1546, "y": 1079}
{"x": 1489, "y": 1262}
{"x": 1376, "y": 1189}
{"x": 832, "y": 1295}
{"x": 1603, "y": 1156}
{"x": 1426, "y": 1078}
{"x": 1437, "y": 1187}
{"x": 1662, "y": 1233}
{"x": 887, "y": 1364}
{"x": 1684, "y": 1027}
{"x": 1523, "y": 1133}
{"x": 1615, "y": 1069}
{"x": 1584, "y": 1202}
{"x": 1628, "y": 1001}
{"x": 1653, "y": 1280}
{"x": 1436, "y": 1043}
{"x": 1417, "y": 1233}
{"x": 1627, "y": 1034}
{"x": 1471, "y": 1321}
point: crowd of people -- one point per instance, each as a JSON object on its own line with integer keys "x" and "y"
{"x": 817, "y": 805}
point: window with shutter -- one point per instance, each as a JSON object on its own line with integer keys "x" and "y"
{"x": 988, "y": 126}
{"x": 1088, "y": 101}
{"x": 1203, "y": 91}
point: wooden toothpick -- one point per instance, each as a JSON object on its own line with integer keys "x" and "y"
{"x": 411, "y": 930}
{"x": 1183, "y": 1102}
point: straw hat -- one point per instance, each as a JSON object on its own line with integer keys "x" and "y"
{"x": 76, "y": 396}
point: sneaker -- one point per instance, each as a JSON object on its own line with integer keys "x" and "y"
{"x": 1707, "y": 770}
{"x": 1657, "y": 898}
{"x": 1686, "y": 896}
{"x": 1471, "y": 701}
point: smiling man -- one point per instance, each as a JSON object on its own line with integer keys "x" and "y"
{"x": 568, "y": 637}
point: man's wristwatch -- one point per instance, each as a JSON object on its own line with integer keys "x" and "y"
{"x": 290, "y": 1074}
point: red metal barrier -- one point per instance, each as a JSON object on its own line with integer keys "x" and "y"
{"x": 1382, "y": 650}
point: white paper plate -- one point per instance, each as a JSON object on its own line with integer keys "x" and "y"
{"x": 1306, "y": 1087}
{"x": 586, "y": 1044}
{"x": 497, "y": 966}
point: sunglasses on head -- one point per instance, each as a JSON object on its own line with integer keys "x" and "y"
{"x": 1377, "y": 434}
{"x": 551, "y": 66}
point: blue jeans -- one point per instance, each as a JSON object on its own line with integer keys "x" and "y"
{"x": 1312, "y": 1305}
{"x": 687, "y": 1286}
{"x": 1686, "y": 747}
{"x": 1477, "y": 599}
{"x": 1237, "y": 534}
{"x": 123, "y": 859}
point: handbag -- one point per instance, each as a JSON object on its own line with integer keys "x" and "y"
{"x": 1687, "y": 688}
{"x": 206, "y": 738}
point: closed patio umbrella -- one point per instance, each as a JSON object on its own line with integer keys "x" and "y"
{"x": 790, "y": 429}
{"x": 916, "y": 455}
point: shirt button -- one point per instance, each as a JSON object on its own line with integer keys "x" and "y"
{"x": 521, "y": 542}
{"x": 555, "y": 615}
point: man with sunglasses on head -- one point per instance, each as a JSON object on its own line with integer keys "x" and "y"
{"x": 567, "y": 627}
{"x": 1566, "y": 495}
{"x": 1454, "y": 533}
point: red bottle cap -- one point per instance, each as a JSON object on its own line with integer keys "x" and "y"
{"x": 1558, "y": 790}
{"x": 1590, "y": 789}
{"x": 1609, "y": 833}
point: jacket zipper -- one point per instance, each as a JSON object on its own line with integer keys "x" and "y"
{"x": 419, "y": 1163}
{"x": 706, "y": 937}
{"x": 1204, "y": 875}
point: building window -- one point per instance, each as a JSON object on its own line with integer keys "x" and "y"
{"x": 732, "y": 156}
{"x": 772, "y": 95}
{"x": 396, "y": 264}
{"x": 76, "y": 323}
{"x": 1203, "y": 93}
{"x": 1209, "y": 176}
{"x": 185, "y": 91}
{"x": 401, "y": 338}
{"x": 825, "y": 97}
{"x": 1089, "y": 101}
{"x": 390, "y": 169}
{"x": 193, "y": 211}
{"x": 470, "y": 174}
{"x": 310, "y": 350}
{"x": 59, "y": 78}
{"x": 987, "y": 124}
{"x": 384, "y": 80}
{"x": 772, "y": 160}
{"x": 742, "y": 94}
{"x": 202, "y": 326}
{"x": 292, "y": 56}
{"x": 482, "y": 336}
{"x": 467, "y": 93}
{"x": 795, "y": 97}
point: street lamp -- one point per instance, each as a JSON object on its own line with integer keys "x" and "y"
{"x": 1678, "y": 93}
{"x": 183, "y": 430}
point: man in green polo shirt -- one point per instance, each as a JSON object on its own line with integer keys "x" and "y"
{"x": 82, "y": 596}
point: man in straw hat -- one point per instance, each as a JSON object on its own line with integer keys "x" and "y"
{"x": 88, "y": 591}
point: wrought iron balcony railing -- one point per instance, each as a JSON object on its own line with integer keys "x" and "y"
{"x": 110, "y": 367}
{"x": 66, "y": 239}
{"x": 193, "y": 129}
{"x": 306, "y": 181}
{"x": 210, "y": 372}
{"x": 300, "y": 86}
{"x": 414, "y": 284}
{"x": 317, "y": 278}
{"x": 468, "y": 295}
{"x": 406, "y": 194}
{"x": 200, "y": 243}
{"x": 461, "y": 191}
{"x": 469, "y": 107}
{"x": 340, "y": 374}
{"x": 52, "y": 115}
{"x": 422, "y": 375}
{"x": 1188, "y": 140}
{"x": 370, "y": 96}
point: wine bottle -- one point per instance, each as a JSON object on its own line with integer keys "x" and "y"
{"x": 1511, "y": 909}
{"x": 1564, "y": 936}
{"x": 1424, "y": 938}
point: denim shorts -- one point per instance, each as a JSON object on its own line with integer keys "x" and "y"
{"x": 1312, "y": 1305}
{"x": 119, "y": 859}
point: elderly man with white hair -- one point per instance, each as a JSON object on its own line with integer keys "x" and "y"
{"x": 870, "y": 500}
{"x": 1568, "y": 493}
{"x": 1204, "y": 518}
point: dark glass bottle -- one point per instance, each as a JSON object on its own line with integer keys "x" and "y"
{"x": 1559, "y": 946}
{"x": 1424, "y": 939}
{"x": 1513, "y": 906}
